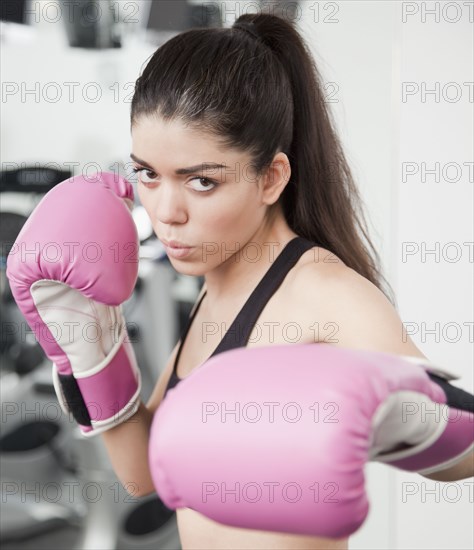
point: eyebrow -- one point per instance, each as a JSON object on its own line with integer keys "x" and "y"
{"x": 183, "y": 171}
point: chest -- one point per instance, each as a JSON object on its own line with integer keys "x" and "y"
{"x": 280, "y": 322}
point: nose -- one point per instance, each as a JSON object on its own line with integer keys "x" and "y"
{"x": 170, "y": 206}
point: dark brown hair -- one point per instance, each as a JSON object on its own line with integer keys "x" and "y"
{"x": 263, "y": 94}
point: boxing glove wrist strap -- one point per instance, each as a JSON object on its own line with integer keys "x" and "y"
{"x": 104, "y": 396}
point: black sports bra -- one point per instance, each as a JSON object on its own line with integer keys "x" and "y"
{"x": 240, "y": 330}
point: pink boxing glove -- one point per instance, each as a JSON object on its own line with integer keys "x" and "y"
{"x": 73, "y": 264}
{"x": 278, "y": 436}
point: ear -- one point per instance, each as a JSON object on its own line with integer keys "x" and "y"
{"x": 275, "y": 179}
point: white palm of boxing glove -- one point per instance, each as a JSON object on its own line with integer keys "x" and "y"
{"x": 72, "y": 266}
{"x": 92, "y": 336}
{"x": 413, "y": 432}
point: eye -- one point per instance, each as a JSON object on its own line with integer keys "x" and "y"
{"x": 149, "y": 179}
{"x": 206, "y": 188}
{"x": 142, "y": 178}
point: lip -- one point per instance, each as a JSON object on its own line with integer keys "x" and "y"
{"x": 174, "y": 244}
{"x": 177, "y": 252}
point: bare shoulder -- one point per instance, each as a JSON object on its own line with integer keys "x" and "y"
{"x": 315, "y": 267}
{"x": 351, "y": 310}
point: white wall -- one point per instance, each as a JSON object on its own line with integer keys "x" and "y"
{"x": 436, "y": 213}
{"x": 366, "y": 50}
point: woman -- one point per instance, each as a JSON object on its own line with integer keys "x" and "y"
{"x": 238, "y": 165}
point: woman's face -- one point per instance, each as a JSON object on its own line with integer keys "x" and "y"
{"x": 214, "y": 210}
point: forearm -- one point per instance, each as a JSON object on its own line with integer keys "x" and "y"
{"x": 463, "y": 470}
{"x": 127, "y": 447}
